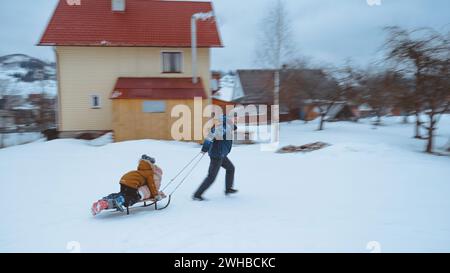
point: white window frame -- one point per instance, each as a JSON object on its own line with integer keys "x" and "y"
{"x": 99, "y": 101}
{"x": 181, "y": 61}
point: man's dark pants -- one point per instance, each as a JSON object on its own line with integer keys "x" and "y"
{"x": 214, "y": 168}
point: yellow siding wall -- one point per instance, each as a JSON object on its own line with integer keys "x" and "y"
{"x": 86, "y": 71}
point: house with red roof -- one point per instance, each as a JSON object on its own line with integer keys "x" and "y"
{"x": 124, "y": 64}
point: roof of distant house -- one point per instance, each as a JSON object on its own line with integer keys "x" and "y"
{"x": 258, "y": 86}
{"x": 149, "y": 23}
{"x": 158, "y": 88}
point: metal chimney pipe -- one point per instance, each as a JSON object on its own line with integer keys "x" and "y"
{"x": 197, "y": 16}
{"x": 194, "y": 48}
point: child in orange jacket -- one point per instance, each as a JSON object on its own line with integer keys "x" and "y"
{"x": 135, "y": 186}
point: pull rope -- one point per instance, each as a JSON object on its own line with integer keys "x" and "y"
{"x": 182, "y": 170}
{"x": 187, "y": 175}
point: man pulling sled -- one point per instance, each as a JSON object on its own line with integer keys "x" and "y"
{"x": 143, "y": 185}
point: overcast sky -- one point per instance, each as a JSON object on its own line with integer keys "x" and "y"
{"x": 325, "y": 31}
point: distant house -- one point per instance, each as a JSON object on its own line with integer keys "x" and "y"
{"x": 309, "y": 111}
{"x": 257, "y": 87}
{"x": 35, "y": 98}
{"x": 45, "y": 116}
{"x": 365, "y": 111}
{"x": 24, "y": 116}
{"x": 343, "y": 111}
{"x": 7, "y": 120}
{"x": 337, "y": 110}
{"x": 124, "y": 64}
{"x": 12, "y": 101}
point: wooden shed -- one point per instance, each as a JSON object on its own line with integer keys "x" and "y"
{"x": 142, "y": 106}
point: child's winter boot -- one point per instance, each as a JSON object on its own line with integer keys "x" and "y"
{"x": 98, "y": 206}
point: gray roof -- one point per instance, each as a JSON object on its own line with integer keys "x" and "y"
{"x": 257, "y": 85}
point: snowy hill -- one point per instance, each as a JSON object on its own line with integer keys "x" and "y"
{"x": 22, "y": 75}
{"x": 369, "y": 186}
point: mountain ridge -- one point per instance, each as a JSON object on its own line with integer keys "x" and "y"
{"x": 21, "y": 74}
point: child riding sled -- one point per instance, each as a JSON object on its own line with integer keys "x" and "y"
{"x": 141, "y": 184}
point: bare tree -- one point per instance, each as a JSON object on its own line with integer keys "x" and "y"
{"x": 275, "y": 46}
{"x": 327, "y": 99}
{"x": 412, "y": 56}
{"x": 423, "y": 54}
{"x": 350, "y": 81}
{"x": 378, "y": 92}
{"x": 436, "y": 97}
{"x": 403, "y": 95}
{"x": 319, "y": 88}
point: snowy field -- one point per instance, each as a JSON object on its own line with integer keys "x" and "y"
{"x": 370, "y": 185}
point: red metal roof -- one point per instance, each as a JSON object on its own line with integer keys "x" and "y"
{"x": 144, "y": 23}
{"x": 157, "y": 88}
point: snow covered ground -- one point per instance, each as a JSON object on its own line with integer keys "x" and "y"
{"x": 370, "y": 185}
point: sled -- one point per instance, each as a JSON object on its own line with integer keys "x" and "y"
{"x": 151, "y": 202}
{"x": 146, "y": 203}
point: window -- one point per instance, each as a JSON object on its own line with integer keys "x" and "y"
{"x": 172, "y": 62}
{"x": 95, "y": 101}
{"x": 118, "y": 5}
{"x": 154, "y": 106}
